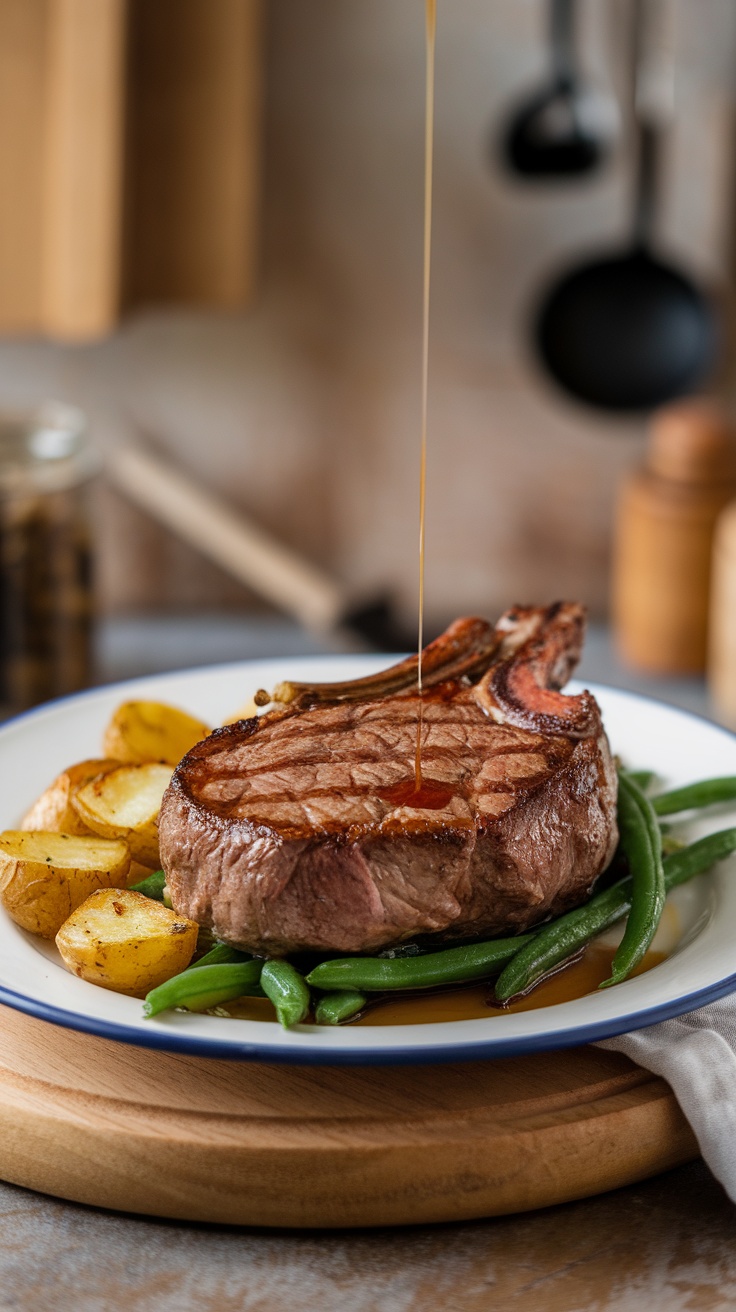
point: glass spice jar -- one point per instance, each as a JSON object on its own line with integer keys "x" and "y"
{"x": 46, "y": 462}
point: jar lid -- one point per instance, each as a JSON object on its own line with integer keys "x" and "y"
{"x": 46, "y": 449}
{"x": 692, "y": 442}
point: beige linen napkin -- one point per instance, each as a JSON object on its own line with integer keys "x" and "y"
{"x": 696, "y": 1055}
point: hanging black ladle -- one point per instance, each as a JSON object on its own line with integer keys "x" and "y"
{"x": 565, "y": 128}
{"x": 627, "y": 331}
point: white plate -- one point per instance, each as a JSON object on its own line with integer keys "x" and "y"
{"x": 647, "y": 734}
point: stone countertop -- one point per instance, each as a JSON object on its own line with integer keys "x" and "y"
{"x": 666, "y": 1244}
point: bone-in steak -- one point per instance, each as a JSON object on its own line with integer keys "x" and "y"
{"x": 300, "y": 830}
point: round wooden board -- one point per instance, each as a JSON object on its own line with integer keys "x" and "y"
{"x": 249, "y": 1144}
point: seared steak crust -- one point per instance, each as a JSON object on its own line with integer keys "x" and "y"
{"x": 280, "y": 832}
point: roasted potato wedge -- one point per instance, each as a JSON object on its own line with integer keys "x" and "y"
{"x": 125, "y": 804}
{"x": 53, "y": 810}
{"x": 45, "y": 876}
{"x": 123, "y": 941}
{"x": 151, "y": 731}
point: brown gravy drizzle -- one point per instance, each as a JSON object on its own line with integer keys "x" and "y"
{"x": 473, "y": 1001}
{"x": 429, "y": 794}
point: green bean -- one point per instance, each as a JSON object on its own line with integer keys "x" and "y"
{"x": 698, "y": 857}
{"x": 562, "y": 938}
{"x": 452, "y": 966}
{"x": 334, "y": 1008}
{"x": 641, "y": 842}
{"x": 221, "y": 955}
{"x": 671, "y": 844}
{"x": 644, "y": 778}
{"x": 203, "y": 987}
{"x": 694, "y": 796}
{"x": 286, "y": 988}
{"x": 403, "y": 950}
{"x": 152, "y": 887}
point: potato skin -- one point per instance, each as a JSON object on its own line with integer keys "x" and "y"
{"x": 53, "y": 812}
{"x": 125, "y": 804}
{"x": 46, "y": 876}
{"x": 123, "y": 941}
{"x": 151, "y": 731}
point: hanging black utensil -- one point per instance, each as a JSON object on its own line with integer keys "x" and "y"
{"x": 628, "y": 331}
{"x": 564, "y": 129}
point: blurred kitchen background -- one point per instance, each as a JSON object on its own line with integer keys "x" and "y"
{"x": 211, "y": 242}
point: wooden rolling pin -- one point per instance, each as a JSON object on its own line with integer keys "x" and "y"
{"x": 245, "y": 551}
{"x": 663, "y": 541}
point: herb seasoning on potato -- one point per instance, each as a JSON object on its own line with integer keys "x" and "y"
{"x": 124, "y": 941}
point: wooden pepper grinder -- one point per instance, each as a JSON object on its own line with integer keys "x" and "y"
{"x": 722, "y": 634}
{"x": 663, "y": 542}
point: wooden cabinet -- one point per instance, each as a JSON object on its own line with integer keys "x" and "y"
{"x": 129, "y": 158}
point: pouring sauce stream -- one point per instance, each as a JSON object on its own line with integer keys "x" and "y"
{"x": 431, "y": 23}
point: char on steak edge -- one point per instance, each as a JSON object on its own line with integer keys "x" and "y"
{"x": 274, "y": 831}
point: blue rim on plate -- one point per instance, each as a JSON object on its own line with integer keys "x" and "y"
{"x": 429, "y": 1055}
{"x": 679, "y": 744}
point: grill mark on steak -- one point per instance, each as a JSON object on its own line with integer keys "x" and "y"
{"x": 435, "y": 755}
{"x": 297, "y": 780}
{"x": 369, "y": 790}
{"x": 274, "y": 831}
{"x": 429, "y": 754}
